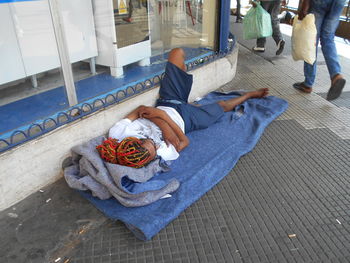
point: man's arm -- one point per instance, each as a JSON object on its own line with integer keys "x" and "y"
{"x": 169, "y": 135}
{"x": 303, "y": 9}
{"x": 155, "y": 114}
{"x": 145, "y": 112}
{"x": 134, "y": 114}
{"x": 172, "y": 133}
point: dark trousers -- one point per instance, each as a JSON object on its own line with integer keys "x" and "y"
{"x": 273, "y": 8}
{"x": 238, "y": 9}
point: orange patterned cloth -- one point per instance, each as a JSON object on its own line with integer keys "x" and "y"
{"x": 128, "y": 152}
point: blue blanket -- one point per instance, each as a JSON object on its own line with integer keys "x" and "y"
{"x": 211, "y": 155}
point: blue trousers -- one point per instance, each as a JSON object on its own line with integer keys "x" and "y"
{"x": 327, "y": 13}
{"x": 175, "y": 88}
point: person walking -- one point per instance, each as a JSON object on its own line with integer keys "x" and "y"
{"x": 273, "y": 7}
{"x": 327, "y": 14}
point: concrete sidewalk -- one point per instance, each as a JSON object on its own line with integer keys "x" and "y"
{"x": 286, "y": 201}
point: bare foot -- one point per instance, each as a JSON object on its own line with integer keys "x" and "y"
{"x": 260, "y": 93}
{"x": 230, "y": 104}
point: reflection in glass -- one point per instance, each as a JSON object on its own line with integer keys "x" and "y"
{"x": 181, "y": 23}
{"x": 131, "y": 22}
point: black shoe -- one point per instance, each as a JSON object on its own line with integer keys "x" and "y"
{"x": 336, "y": 89}
{"x": 302, "y": 87}
{"x": 239, "y": 20}
{"x": 280, "y": 47}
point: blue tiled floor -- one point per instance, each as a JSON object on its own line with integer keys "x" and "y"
{"x": 34, "y": 109}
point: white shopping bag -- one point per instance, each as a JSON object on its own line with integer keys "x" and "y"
{"x": 304, "y": 39}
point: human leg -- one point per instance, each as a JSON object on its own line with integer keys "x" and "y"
{"x": 260, "y": 45}
{"x": 309, "y": 74}
{"x": 238, "y": 8}
{"x": 238, "y": 12}
{"x": 131, "y": 8}
{"x": 176, "y": 83}
{"x": 274, "y": 10}
{"x": 327, "y": 33}
{"x": 202, "y": 116}
{"x": 327, "y": 14}
{"x": 229, "y": 105}
{"x": 329, "y": 49}
{"x": 319, "y": 10}
{"x": 177, "y": 57}
{"x": 260, "y": 42}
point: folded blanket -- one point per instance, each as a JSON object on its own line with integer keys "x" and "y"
{"x": 212, "y": 153}
{"x": 130, "y": 186}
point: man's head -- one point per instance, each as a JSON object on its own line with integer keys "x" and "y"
{"x": 131, "y": 151}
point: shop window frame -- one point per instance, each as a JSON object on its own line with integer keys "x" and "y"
{"x": 77, "y": 110}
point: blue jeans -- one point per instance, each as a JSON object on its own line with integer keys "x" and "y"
{"x": 327, "y": 13}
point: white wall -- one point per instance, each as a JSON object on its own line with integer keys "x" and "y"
{"x": 31, "y": 166}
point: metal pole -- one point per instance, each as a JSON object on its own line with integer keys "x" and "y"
{"x": 63, "y": 52}
{"x": 224, "y": 25}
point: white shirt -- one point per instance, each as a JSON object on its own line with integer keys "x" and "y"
{"x": 142, "y": 128}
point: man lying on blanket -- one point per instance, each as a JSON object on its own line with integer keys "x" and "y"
{"x": 150, "y": 131}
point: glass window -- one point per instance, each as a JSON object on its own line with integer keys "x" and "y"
{"x": 59, "y": 53}
{"x": 132, "y": 23}
{"x": 80, "y": 37}
{"x": 293, "y": 4}
{"x": 346, "y": 11}
{"x": 180, "y": 23}
{"x": 31, "y": 84}
{"x": 130, "y": 34}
